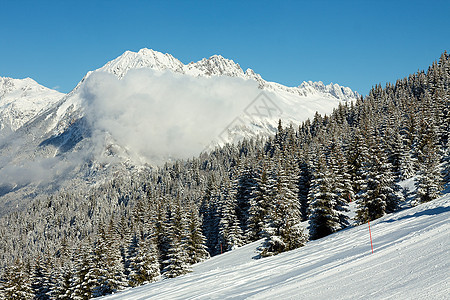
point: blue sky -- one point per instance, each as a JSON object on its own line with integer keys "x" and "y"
{"x": 353, "y": 43}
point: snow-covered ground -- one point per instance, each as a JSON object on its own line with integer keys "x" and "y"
{"x": 410, "y": 261}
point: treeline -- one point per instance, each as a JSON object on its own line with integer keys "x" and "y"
{"x": 150, "y": 224}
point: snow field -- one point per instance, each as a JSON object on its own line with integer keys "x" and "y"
{"x": 410, "y": 261}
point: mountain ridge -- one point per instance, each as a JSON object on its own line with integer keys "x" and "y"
{"x": 22, "y": 99}
{"x": 215, "y": 65}
{"x": 58, "y": 136}
{"x": 14, "y": 113}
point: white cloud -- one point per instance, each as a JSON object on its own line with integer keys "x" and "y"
{"x": 156, "y": 115}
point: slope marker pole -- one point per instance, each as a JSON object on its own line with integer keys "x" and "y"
{"x": 370, "y": 234}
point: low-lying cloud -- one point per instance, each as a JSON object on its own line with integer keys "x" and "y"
{"x": 156, "y": 115}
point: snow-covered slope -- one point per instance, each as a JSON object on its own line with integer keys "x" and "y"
{"x": 23, "y": 99}
{"x": 410, "y": 261}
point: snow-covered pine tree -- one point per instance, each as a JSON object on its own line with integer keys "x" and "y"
{"x": 341, "y": 183}
{"x": 304, "y": 185}
{"x": 196, "y": 242}
{"x": 108, "y": 262}
{"x": 40, "y": 278}
{"x": 379, "y": 194}
{"x": 15, "y": 283}
{"x": 244, "y": 185}
{"x": 429, "y": 178}
{"x": 282, "y": 230}
{"x": 358, "y": 158}
{"x": 123, "y": 231}
{"x": 63, "y": 272}
{"x": 406, "y": 167}
{"x": 230, "y": 234}
{"x": 161, "y": 231}
{"x": 132, "y": 250}
{"x": 63, "y": 280}
{"x": 177, "y": 259}
{"x": 291, "y": 230}
{"x": 84, "y": 279}
{"x": 143, "y": 261}
{"x": 210, "y": 215}
{"x": 260, "y": 202}
{"x": 323, "y": 219}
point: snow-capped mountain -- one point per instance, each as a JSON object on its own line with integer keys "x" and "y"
{"x": 259, "y": 115}
{"x": 217, "y": 65}
{"x": 23, "y": 99}
{"x": 142, "y": 108}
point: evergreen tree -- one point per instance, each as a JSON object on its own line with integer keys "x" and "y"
{"x": 379, "y": 194}
{"x": 62, "y": 286}
{"x": 244, "y": 185}
{"x": 341, "y": 183}
{"x": 161, "y": 228}
{"x": 429, "y": 179}
{"x": 210, "y": 216}
{"x": 260, "y": 204}
{"x": 304, "y": 186}
{"x": 196, "y": 242}
{"x": 41, "y": 279}
{"x": 109, "y": 268}
{"x": 84, "y": 279}
{"x": 323, "y": 219}
{"x": 144, "y": 264}
{"x": 282, "y": 230}
{"x": 16, "y": 283}
{"x": 230, "y": 234}
{"x": 177, "y": 259}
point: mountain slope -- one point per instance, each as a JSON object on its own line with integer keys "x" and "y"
{"x": 245, "y": 113}
{"x": 242, "y": 111}
{"x": 143, "y": 108}
{"x": 410, "y": 261}
{"x": 23, "y": 99}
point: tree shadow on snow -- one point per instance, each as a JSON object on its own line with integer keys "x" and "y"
{"x": 427, "y": 212}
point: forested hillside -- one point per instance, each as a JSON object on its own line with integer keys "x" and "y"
{"x": 145, "y": 224}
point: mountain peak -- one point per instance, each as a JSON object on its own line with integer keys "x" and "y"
{"x": 22, "y": 99}
{"x": 216, "y": 65}
{"x": 144, "y": 58}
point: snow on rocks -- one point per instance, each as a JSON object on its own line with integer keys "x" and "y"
{"x": 22, "y": 99}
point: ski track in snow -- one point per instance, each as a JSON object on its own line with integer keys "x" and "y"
{"x": 410, "y": 261}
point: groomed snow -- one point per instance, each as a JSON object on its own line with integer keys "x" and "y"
{"x": 410, "y": 261}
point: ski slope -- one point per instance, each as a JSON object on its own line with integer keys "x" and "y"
{"x": 410, "y": 261}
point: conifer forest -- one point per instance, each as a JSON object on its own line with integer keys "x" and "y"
{"x": 149, "y": 224}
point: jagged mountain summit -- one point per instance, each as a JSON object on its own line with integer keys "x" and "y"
{"x": 142, "y": 108}
{"x": 292, "y": 104}
{"x": 216, "y": 65}
{"x": 23, "y": 99}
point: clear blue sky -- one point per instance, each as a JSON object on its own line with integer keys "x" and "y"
{"x": 353, "y": 43}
